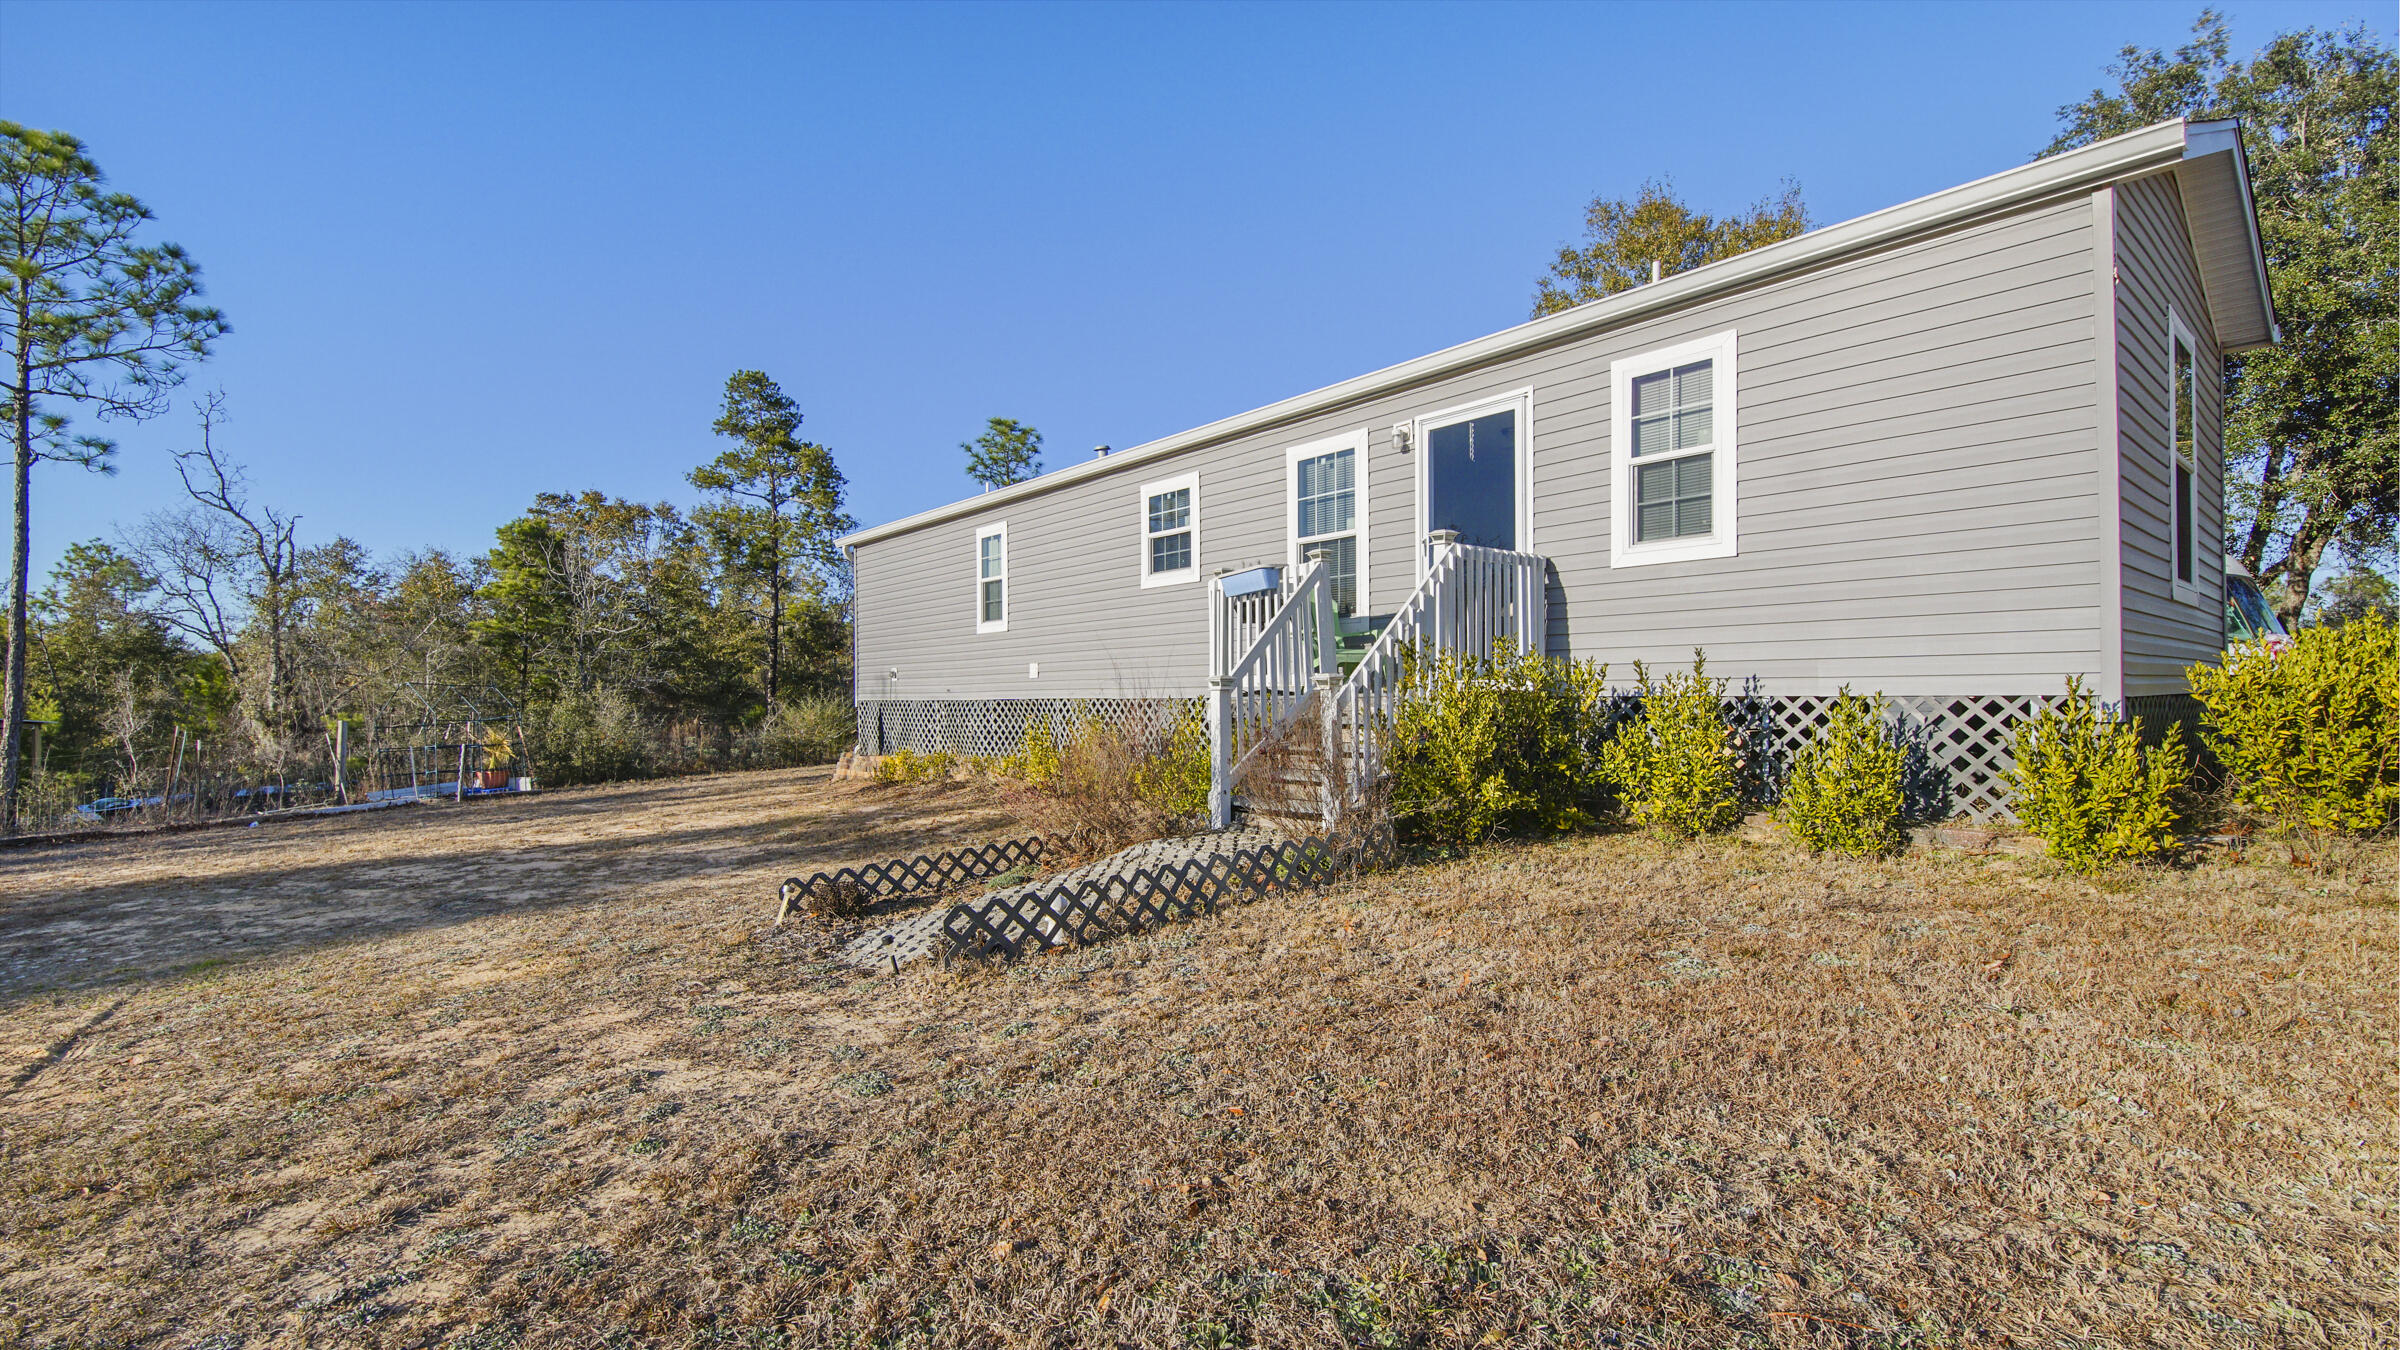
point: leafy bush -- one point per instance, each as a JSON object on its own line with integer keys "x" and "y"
{"x": 814, "y": 729}
{"x": 1107, "y": 785}
{"x": 2085, "y": 786}
{"x": 1844, "y": 791}
{"x": 907, "y": 766}
{"x": 1037, "y": 757}
{"x": 591, "y": 738}
{"x": 2309, "y": 730}
{"x": 1678, "y": 769}
{"x": 1496, "y": 745}
{"x": 1174, "y": 777}
{"x": 1114, "y": 785}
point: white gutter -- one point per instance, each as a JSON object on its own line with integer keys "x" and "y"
{"x": 2133, "y": 153}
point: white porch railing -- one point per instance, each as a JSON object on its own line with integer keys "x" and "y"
{"x": 1265, "y": 662}
{"x": 1470, "y": 600}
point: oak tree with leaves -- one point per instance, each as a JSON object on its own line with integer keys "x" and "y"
{"x": 1629, "y": 241}
{"x": 90, "y": 321}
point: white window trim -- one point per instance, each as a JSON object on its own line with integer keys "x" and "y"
{"x": 1423, "y": 427}
{"x": 1356, "y": 443}
{"x": 1000, "y": 625}
{"x": 1724, "y": 386}
{"x": 2186, "y": 592}
{"x": 1141, "y": 505}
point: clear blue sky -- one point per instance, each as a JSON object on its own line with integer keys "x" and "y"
{"x": 475, "y": 252}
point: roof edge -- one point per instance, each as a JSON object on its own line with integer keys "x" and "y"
{"x": 2225, "y": 135}
{"x": 2118, "y": 157}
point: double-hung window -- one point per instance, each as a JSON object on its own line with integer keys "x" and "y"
{"x": 1171, "y": 531}
{"x": 1329, "y": 512}
{"x": 2183, "y": 484}
{"x": 991, "y": 578}
{"x": 1672, "y": 437}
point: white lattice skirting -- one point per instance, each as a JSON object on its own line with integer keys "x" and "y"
{"x": 993, "y": 728}
{"x": 1958, "y": 746}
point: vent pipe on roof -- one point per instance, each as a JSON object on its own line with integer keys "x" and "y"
{"x": 1658, "y": 271}
{"x": 1099, "y": 452}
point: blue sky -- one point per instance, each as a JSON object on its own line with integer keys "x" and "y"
{"x": 475, "y": 252}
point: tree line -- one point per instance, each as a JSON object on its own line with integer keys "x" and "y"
{"x": 597, "y": 638}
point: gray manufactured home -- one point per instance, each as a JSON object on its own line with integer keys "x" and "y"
{"x": 1955, "y": 451}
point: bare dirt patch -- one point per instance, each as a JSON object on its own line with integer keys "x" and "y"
{"x": 1704, "y": 1095}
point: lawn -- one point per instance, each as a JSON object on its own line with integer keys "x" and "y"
{"x": 542, "y": 1073}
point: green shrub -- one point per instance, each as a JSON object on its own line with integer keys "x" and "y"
{"x": 1174, "y": 777}
{"x": 907, "y": 766}
{"x": 1844, "y": 791}
{"x": 1495, "y": 745}
{"x": 2085, "y": 786}
{"x": 813, "y": 729}
{"x": 591, "y": 738}
{"x": 2309, "y": 730}
{"x": 1115, "y": 785}
{"x": 1677, "y": 770}
{"x": 1037, "y": 757}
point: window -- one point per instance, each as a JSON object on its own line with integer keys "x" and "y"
{"x": 991, "y": 579}
{"x": 1329, "y": 512}
{"x": 1171, "y": 531}
{"x": 1672, "y": 429}
{"x": 2183, "y": 421}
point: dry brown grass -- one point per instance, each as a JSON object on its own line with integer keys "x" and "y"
{"x": 1608, "y": 1088}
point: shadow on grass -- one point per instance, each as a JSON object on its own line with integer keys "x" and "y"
{"x": 423, "y": 878}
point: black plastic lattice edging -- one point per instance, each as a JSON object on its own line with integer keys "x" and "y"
{"x": 874, "y": 881}
{"x": 1011, "y": 924}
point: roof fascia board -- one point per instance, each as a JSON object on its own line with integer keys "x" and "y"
{"x": 2118, "y": 157}
{"x": 2208, "y": 138}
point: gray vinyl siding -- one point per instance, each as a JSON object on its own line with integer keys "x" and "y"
{"x": 1918, "y": 501}
{"x": 2164, "y": 634}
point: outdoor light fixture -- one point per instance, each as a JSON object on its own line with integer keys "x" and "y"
{"x": 1403, "y": 436}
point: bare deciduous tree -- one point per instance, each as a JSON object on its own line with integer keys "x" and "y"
{"x": 227, "y": 570}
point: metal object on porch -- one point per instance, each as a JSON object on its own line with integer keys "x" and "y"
{"x": 1013, "y": 923}
{"x": 874, "y": 881}
{"x": 1256, "y": 581}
